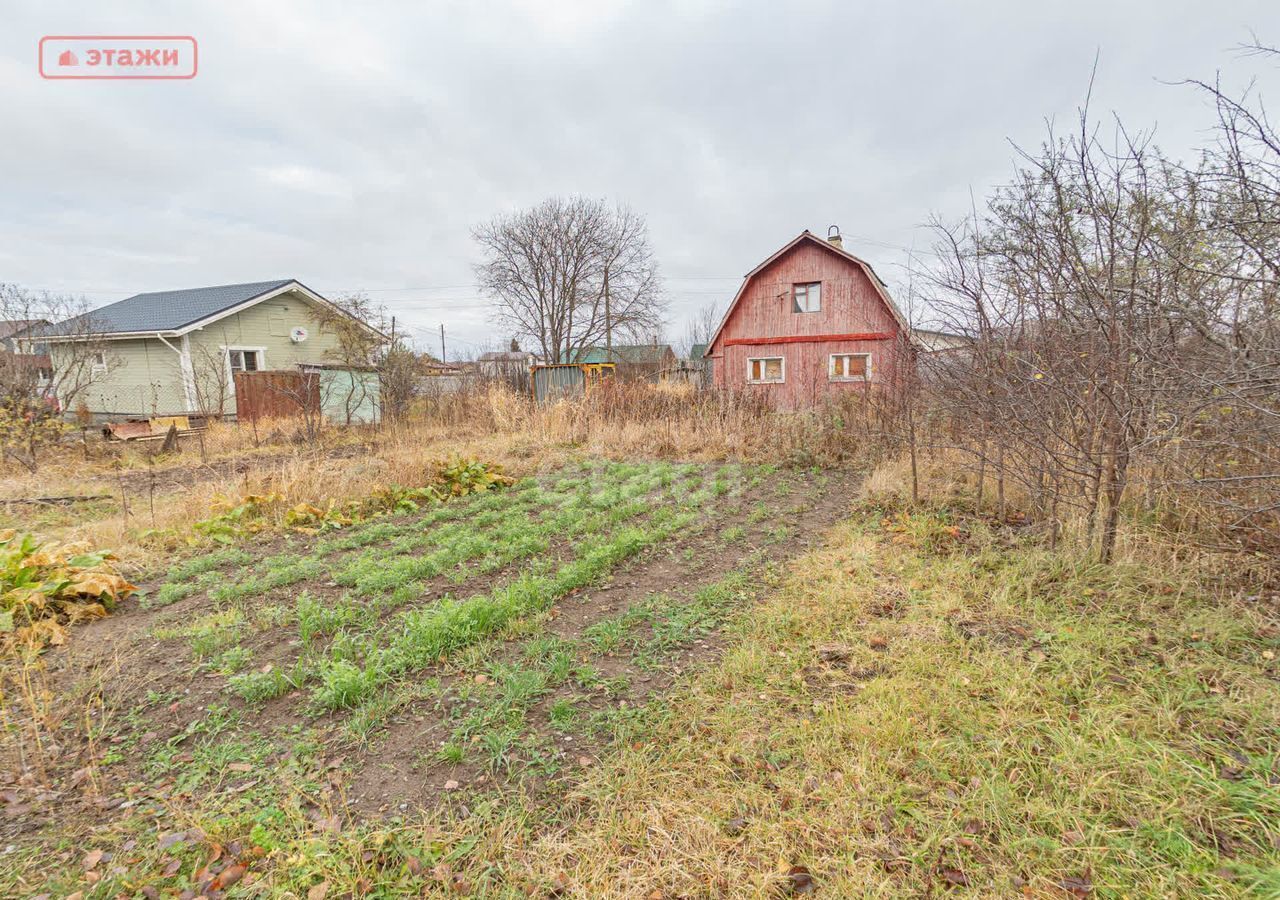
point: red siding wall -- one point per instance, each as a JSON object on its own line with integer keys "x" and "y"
{"x": 850, "y": 306}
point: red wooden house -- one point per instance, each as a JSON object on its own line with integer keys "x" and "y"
{"x": 809, "y": 321}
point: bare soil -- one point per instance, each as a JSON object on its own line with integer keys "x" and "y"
{"x": 116, "y": 666}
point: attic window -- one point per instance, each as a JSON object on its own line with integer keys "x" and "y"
{"x": 807, "y": 297}
{"x": 244, "y": 360}
{"x": 98, "y": 362}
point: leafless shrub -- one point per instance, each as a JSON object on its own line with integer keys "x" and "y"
{"x": 1121, "y": 312}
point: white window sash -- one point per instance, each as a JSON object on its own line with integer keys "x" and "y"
{"x": 764, "y": 379}
{"x": 831, "y": 367}
{"x": 260, "y": 356}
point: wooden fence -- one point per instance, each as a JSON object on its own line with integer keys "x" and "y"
{"x": 276, "y": 394}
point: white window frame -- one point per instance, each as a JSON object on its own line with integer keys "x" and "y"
{"x": 831, "y": 368}
{"x": 806, "y": 285}
{"x": 226, "y": 357}
{"x": 762, "y": 359}
{"x": 96, "y": 367}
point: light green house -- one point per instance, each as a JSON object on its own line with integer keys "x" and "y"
{"x": 177, "y": 352}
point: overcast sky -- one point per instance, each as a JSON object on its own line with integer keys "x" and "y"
{"x": 353, "y": 146}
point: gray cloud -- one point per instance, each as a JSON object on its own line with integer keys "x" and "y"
{"x": 354, "y": 146}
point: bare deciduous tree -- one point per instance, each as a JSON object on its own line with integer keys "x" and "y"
{"x": 37, "y": 382}
{"x": 571, "y": 274}
{"x": 700, "y": 328}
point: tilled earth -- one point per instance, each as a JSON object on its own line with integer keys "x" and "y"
{"x": 148, "y": 714}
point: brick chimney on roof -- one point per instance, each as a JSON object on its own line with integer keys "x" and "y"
{"x": 833, "y": 236}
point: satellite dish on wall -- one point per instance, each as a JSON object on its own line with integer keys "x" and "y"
{"x": 298, "y": 335}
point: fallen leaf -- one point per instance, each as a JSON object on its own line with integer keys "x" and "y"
{"x": 1080, "y": 887}
{"x": 318, "y": 891}
{"x": 229, "y": 876}
{"x": 168, "y": 840}
{"x": 91, "y": 859}
{"x": 452, "y": 785}
{"x": 954, "y": 877}
{"x": 799, "y": 881}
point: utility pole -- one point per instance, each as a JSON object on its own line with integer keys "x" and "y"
{"x": 608, "y": 323}
{"x": 442, "y": 356}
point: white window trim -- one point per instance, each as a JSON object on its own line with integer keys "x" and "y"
{"x": 226, "y": 360}
{"x": 831, "y": 368}
{"x": 782, "y": 380}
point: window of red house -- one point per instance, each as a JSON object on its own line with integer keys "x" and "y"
{"x": 807, "y": 297}
{"x": 850, "y": 367}
{"x": 766, "y": 370}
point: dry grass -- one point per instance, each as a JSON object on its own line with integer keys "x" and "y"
{"x": 921, "y": 705}
{"x": 165, "y": 493}
{"x": 898, "y": 720}
{"x": 931, "y": 701}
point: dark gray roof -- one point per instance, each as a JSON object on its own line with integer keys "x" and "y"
{"x": 166, "y": 310}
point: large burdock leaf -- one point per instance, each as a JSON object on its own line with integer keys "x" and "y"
{"x": 46, "y": 587}
{"x": 82, "y": 612}
{"x": 98, "y": 584}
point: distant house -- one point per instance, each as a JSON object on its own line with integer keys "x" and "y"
{"x": 177, "y": 352}
{"x": 511, "y": 367}
{"x": 697, "y": 368}
{"x": 430, "y": 367}
{"x": 810, "y": 321}
{"x": 434, "y": 378}
{"x": 635, "y": 362}
{"x": 13, "y": 330}
{"x": 20, "y": 349}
